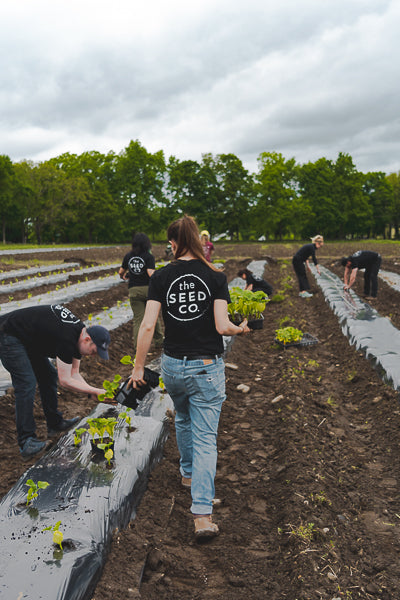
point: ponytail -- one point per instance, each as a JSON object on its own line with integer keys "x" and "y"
{"x": 186, "y": 235}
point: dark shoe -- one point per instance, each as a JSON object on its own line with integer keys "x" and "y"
{"x": 32, "y": 448}
{"x": 204, "y": 527}
{"x": 62, "y": 426}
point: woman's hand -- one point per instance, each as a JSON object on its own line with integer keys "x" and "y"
{"x": 243, "y": 326}
{"x": 136, "y": 380}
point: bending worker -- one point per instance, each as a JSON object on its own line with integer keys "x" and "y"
{"x": 300, "y": 260}
{"x": 28, "y": 337}
{"x": 362, "y": 259}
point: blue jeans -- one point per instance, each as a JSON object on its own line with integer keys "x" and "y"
{"x": 25, "y": 370}
{"x": 198, "y": 391}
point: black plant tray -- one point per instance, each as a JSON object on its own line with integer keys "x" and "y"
{"x": 256, "y": 323}
{"x": 130, "y": 397}
{"x": 306, "y": 340}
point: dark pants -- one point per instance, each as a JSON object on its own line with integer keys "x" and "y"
{"x": 26, "y": 370}
{"x": 371, "y": 278}
{"x": 300, "y": 270}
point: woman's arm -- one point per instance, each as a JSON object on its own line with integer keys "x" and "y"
{"x": 145, "y": 336}
{"x": 349, "y": 277}
{"x": 150, "y": 272}
{"x": 223, "y": 324}
{"x": 122, "y": 273}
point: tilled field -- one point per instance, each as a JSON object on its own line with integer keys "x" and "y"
{"x": 308, "y": 464}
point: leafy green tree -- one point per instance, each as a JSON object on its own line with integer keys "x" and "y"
{"x": 349, "y": 195}
{"x": 393, "y": 179}
{"x": 233, "y": 191}
{"x": 90, "y": 211}
{"x": 139, "y": 183}
{"x": 276, "y": 192}
{"x": 378, "y": 191}
{"x": 6, "y": 198}
{"x": 316, "y": 182}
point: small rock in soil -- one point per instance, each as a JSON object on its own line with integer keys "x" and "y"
{"x": 242, "y": 387}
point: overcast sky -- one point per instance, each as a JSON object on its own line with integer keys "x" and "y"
{"x": 307, "y": 78}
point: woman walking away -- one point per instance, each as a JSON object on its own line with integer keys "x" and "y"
{"x": 137, "y": 267}
{"x": 300, "y": 260}
{"x": 193, "y": 296}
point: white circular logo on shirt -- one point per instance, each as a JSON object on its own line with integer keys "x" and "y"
{"x": 188, "y": 298}
{"x": 136, "y": 265}
{"x": 64, "y": 314}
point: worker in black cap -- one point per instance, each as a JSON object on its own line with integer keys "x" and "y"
{"x": 28, "y": 338}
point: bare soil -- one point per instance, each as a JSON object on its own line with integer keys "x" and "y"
{"x": 308, "y": 464}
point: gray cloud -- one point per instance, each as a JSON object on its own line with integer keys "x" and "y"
{"x": 307, "y": 80}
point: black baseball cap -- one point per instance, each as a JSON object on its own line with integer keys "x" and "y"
{"x": 101, "y": 338}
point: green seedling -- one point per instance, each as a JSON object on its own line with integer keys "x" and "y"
{"x": 303, "y": 532}
{"x": 276, "y": 298}
{"x": 126, "y": 415}
{"x": 98, "y": 427}
{"x": 108, "y": 454}
{"x": 127, "y": 360}
{"x": 58, "y": 535}
{"x": 312, "y": 363}
{"x": 78, "y": 435}
{"x": 110, "y": 387}
{"x": 287, "y": 335}
{"x": 34, "y": 489}
{"x": 162, "y": 385}
{"x": 246, "y": 304}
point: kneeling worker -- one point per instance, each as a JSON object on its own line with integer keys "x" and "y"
{"x": 28, "y": 337}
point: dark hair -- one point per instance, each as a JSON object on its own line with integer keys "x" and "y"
{"x": 344, "y": 260}
{"x": 140, "y": 243}
{"x": 185, "y": 233}
{"x": 244, "y": 272}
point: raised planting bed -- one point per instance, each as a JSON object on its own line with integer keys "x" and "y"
{"x": 364, "y": 327}
{"x": 86, "y": 500}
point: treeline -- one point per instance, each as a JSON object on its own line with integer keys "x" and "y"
{"x": 102, "y": 198}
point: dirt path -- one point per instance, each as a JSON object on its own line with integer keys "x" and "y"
{"x": 307, "y": 473}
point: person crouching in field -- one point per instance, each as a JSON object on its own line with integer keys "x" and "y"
{"x": 193, "y": 296}
{"x": 362, "y": 259}
{"x": 255, "y": 284}
{"x": 300, "y": 260}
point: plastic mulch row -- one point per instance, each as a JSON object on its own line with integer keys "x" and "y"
{"x": 90, "y": 499}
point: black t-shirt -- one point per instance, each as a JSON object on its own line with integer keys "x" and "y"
{"x": 50, "y": 330}
{"x": 363, "y": 259}
{"x": 259, "y": 284}
{"x": 186, "y": 290}
{"x": 137, "y": 265}
{"x": 305, "y": 252}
